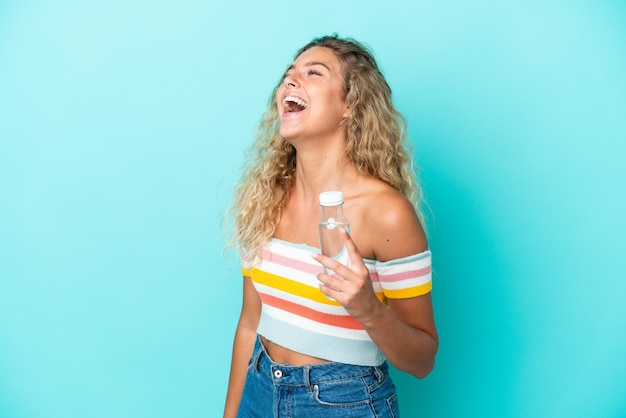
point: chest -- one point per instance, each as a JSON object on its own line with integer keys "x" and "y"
{"x": 301, "y": 226}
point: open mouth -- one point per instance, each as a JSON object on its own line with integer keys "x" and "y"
{"x": 294, "y": 104}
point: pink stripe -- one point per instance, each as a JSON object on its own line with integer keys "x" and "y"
{"x": 290, "y": 262}
{"x": 403, "y": 275}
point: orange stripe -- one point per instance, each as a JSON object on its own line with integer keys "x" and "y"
{"x": 321, "y": 317}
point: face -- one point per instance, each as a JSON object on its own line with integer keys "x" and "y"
{"x": 310, "y": 99}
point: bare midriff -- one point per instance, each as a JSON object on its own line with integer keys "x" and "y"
{"x": 280, "y": 354}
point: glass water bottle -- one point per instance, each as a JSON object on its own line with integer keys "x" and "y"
{"x": 333, "y": 220}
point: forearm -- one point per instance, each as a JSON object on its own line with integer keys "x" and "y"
{"x": 242, "y": 350}
{"x": 409, "y": 349}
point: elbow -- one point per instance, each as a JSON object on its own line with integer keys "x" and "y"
{"x": 419, "y": 369}
{"x": 424, "y": 369}
{"x": 420, "y": 359}
{"x": 426, "y": 362}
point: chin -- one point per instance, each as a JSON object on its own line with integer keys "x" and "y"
{"x": 287, "y": 135}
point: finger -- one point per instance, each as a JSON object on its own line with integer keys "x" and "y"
{"x": 342, "y": 271}
{"x": 334, "y": 281}
{"x": 330, "y": 292}
{"x": 347, "y": 241}
{"x": 356, "y": 263}
{"x": 328, "y": 262}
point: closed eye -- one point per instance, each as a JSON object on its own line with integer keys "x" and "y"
{"x": 313, "y": 72}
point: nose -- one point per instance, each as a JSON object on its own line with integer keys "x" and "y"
{"x": 290, "y": 81}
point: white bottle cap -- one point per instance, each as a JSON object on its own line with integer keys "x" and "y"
{"x": 331, "y": 198}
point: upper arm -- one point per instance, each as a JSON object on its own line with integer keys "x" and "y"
{"x": 400, "y": 235}
{"x": 251, "y": 305}
{"x": 396, "y": 230}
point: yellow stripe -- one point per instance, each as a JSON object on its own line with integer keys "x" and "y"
{"x": 246, "y": 271}
{"x": 291, "y": 286}
{"x": 410, "y": 292}
{"x": 295, "y": 288}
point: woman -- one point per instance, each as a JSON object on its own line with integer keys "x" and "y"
{"x": 308, "y": 344}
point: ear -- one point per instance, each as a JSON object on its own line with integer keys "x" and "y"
{"x": 346, "y": 113}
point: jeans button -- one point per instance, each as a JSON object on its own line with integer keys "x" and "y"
{"x": 278, "y": 374}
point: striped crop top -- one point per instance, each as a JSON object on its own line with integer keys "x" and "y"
{"x": 298, "y": 316}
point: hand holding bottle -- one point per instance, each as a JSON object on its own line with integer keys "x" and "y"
{"x": 350, "y": 284}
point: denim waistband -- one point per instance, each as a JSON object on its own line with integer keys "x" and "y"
{"x": 310, "y": 374}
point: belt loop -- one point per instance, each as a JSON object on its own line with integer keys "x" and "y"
{"x": 379, "y": 374}
{"x": 307, "y": 378}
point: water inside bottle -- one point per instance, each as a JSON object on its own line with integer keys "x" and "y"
{"x": 331, "y": 243}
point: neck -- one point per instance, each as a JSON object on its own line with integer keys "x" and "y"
{"x": 318, "y": 170}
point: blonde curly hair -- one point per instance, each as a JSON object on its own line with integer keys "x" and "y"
{"x": 376, "y": 145}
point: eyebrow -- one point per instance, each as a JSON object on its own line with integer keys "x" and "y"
{"x": 310, "y": 64}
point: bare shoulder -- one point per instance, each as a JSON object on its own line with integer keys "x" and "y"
{"x": 392, "y": 225}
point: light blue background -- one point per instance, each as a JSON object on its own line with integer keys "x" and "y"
{"x": 122, "y": 129}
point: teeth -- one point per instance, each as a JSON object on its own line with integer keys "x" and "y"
{"x": 295, "y": 100}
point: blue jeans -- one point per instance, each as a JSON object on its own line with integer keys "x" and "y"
{"x": 317, "y": 390}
